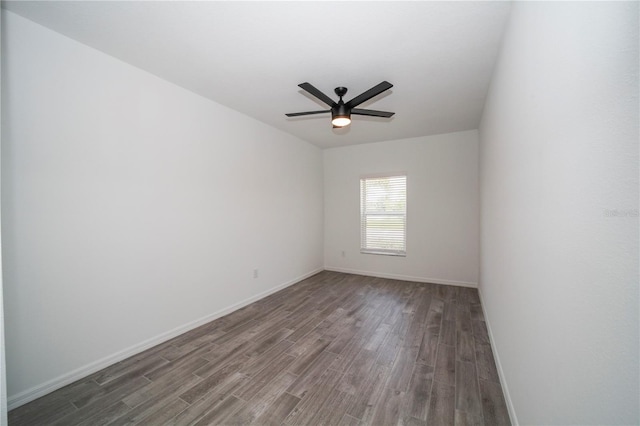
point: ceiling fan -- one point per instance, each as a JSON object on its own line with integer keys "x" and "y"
{"x": 341, "y": 111}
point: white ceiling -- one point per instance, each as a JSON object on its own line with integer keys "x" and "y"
{"x": 250, "y": 56}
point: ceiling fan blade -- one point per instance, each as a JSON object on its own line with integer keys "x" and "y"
{"x": 372, "y": 112}
{"x": 296, "y": 114}
{"x": 374, "y": 91}
{"x": 318, "y": 94}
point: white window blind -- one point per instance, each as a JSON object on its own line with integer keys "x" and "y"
{"x": 383, "y": 209}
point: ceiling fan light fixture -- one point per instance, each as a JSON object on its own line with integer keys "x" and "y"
{"x": 341, "y": 120}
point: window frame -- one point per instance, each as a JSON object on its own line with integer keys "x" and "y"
{"x": 365, "y": 214}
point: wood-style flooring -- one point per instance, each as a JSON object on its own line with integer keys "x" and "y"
{"x": 334, "y": 349}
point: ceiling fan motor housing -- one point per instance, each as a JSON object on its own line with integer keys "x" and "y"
{"x": 340, "y": 110}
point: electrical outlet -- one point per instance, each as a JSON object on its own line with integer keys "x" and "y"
{"x": 255, "y": 273}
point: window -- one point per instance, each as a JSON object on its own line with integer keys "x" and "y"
{"x": 383, "y": 215}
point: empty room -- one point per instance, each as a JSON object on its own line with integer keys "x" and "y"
{"x": 320, "y": 213}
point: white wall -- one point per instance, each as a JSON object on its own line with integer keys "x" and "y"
{"x": 442, "y": 207}
{"x": 558, "y": 155}
{"x": 133, "y": 208}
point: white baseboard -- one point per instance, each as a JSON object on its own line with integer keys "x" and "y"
{"x": 402, "y": 277}
{"x": 14, "y": 401}
{"x": 496, "y": 357}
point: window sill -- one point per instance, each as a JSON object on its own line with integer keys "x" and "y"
{"x": 384, "y": 253}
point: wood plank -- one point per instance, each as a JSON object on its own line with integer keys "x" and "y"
{"x": 480, "y": 333}
{"x": 261, "y": 402}
{"x": 348, "y": 420}
{"x": 89, "y": 397}
{"x": 402, "y": 369}
{"x": 224, "y": 358}
{"x": 445, "y": 370}
{"x": 417, "y": 396}
{"x": 333, "y": 409}
{"x": 165, "y": 413}
{"x": 204, "y": 334}
{"x": 103, "y": 403}
{"x": 416, "y": 328}
{"x": 440, "y": 291}
{"x": 469, "y": 295}
{"x": 431, "y": 335}
{"x": 363, "y": 406}
{"x": 255, "y": 365}
{"x": 165, "y": 387}
{"x": 476, "y": 312}
{"x": 412, "y": 421}
{"x": 346, "y": 335}
{"x": 221, "y": 412}
{"x": 197, "y": 410}
{"x": 355, "y": 377}
{"x": 172, "y": 353}
{"x": 307, "y": 381}
{"x": 434, "y": 315}
{"x": 462, "y": 418}
{"x": 449, "y": 311}
{"x": 222, "y": 382}
{"x": 251, "y": 387}
{"x": 165, "y": 407}
{"x": 463, "y": 319}
{"x": 429, "y": 347}
{"x": 278, "y": 411}
{"x": 485, "y": 364}
{"x": 237, "y": 334}
{"x": 131, "y": 365}
{"x": 303, "y": 361}
{"x": 304, "y": 344}
{"x": 465, "y": 348}
{"x": 448, "y": 335}
{"x": 390, "y": 348}
{"x": 331, "y": 332}
{"x": 166, "y": 367}
{"x": 240, "y": 317}
{"x": 104, "y": 417}
{"x": 41, "y": 411}
{"x": 275, "y": 323}
{"x": 313, "y": 401}
{"x": 263, "y": 345}
{"x": 441, "y": 404}
{"x": 343, "y": 361}
{"x": 304, "y": 327}
{"x": 467, "y": 392}
{"x": 388, "y": 409}
{"x": 378, "y": 337}
{"x": 494, "y": 407}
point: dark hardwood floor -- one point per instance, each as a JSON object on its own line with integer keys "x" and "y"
{"x": 334, "y": 349}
